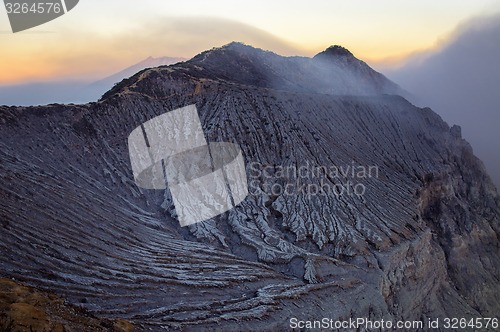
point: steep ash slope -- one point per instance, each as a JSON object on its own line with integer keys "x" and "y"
{"x": 421, "y": 241}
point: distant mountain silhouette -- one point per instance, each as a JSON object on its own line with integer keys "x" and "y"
{"x": 67, "y": 92}
{"x": 107, "y": 83}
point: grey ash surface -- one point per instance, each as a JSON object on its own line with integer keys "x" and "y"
{"x": 422, "y": 242}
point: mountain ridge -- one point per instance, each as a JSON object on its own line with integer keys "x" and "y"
{"x": 421, "y": 242}
{"x": 326, "y": 73}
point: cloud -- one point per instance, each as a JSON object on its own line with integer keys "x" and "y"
{"x": 61, "y": 71}
{"x": 75, "y": 53}
{"x": 461, "y": 82}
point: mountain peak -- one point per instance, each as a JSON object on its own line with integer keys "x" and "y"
{"x": 335, "y": 71}
{"x": 335, "y": 51}
{"x": 236, "y": 45}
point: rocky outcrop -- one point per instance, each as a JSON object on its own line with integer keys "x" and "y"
{"x": 26, "y": 309}
{"x": 461, "y": 208}
{"x": 386, "y": 212}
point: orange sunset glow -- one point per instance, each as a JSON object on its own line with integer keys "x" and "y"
{"x": 97, "y": 39}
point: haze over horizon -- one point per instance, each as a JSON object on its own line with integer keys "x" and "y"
{"x": 460, "y": 82}
{"x": 97, "y": 39}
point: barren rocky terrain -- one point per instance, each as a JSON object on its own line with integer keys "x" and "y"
{"x": 421, "y": 241}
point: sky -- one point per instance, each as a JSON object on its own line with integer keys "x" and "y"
{"x": 461, "y": 82}
{"x": 98, "y": 38}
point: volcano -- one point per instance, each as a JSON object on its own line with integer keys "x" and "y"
{"x": 360, "y": 204}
